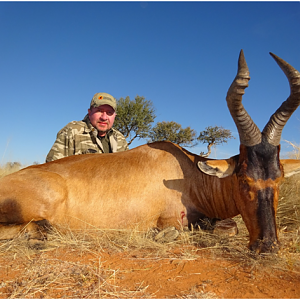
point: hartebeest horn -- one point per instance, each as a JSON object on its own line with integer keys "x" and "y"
{"x": 274, "y": 127}
{"x": 249, "y": 133}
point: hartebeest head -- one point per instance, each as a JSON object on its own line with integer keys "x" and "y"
{"x": 259, "y": 170}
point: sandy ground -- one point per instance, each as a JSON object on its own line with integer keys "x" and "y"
{"x": 182, "y": 272}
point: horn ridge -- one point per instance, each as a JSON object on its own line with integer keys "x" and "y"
{"x": 274, "y": 127}
{"x": 249, "y": 133}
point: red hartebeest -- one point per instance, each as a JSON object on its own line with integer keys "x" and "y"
{"x": 161, "y": 184}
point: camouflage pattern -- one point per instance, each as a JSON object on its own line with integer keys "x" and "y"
{"x": 80, "y": 137}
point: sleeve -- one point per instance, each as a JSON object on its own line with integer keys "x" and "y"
{"x": 63, "y": 145}
{"x": 122, "y": 144}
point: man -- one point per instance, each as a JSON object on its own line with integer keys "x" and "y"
{"x": 94, "y": 134}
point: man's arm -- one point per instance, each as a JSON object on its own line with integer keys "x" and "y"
{"x": 118, "y": 142}
{"x": 62, "y": 147}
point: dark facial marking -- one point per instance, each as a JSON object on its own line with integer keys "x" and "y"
{"x": 266, "y": 213}
{"x": 263, "y": 161}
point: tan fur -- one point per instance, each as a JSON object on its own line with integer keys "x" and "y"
{"x": 220, "y": 168}
{"x": 152, "y": 185}
{"x": 290, "y": 166}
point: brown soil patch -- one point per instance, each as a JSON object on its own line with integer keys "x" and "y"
{"x": 177, "y": 271}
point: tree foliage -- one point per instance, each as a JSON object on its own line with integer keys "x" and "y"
{"x": 134, "y": 117}
{"x": 173, "y": 132}
{"x": 214, "y": 136}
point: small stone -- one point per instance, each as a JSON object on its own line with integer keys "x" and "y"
{"x": 168, "y": 234}
{"x": 227, "y": 227}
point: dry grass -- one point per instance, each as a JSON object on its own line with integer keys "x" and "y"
{"x": 295, "y": 154}
{"x": 288, "y": 214}
{"x": 9, "y": 168}
{"x": 64, "y": 277}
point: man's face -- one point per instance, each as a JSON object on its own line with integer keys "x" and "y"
{"x": 102, "y": 118}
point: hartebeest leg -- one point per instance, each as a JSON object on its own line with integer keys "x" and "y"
{"x": 35, "y": 232}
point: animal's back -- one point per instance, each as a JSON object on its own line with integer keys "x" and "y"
{"x": 108, "y": 191}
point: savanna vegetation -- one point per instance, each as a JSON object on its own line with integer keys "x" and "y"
{"x": 135, "y": 119}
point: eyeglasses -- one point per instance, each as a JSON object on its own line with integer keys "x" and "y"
{"x": 108, "y": 112}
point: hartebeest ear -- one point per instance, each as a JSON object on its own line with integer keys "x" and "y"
{"x": 220, "y": 167}
{"x": 290, "y": 166}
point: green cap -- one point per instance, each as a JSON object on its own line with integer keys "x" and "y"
{"x": 103, "y": 98}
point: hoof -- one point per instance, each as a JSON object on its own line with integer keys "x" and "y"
{"x": 167, "y": 235}
{"x": 226, "y": 227}
{"x": 36, "y": 244}
{"x": 265, "y": 246}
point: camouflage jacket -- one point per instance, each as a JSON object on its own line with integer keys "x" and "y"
{"x": 80, "y": 137}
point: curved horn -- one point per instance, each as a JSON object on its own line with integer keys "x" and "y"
{"x": 249, "y": 133}
{"x": 274, "y": 127}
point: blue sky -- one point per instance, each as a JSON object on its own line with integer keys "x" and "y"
{"x": 55, "y": 56}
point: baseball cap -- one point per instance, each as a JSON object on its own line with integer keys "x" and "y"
{"x": 103, "y": 98}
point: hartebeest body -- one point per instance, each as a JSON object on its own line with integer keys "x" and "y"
{"x": 161, "y": 184}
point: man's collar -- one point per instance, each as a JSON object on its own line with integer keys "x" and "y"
{"x": 108, "y": 133}
{"x": 90, "y": 127}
